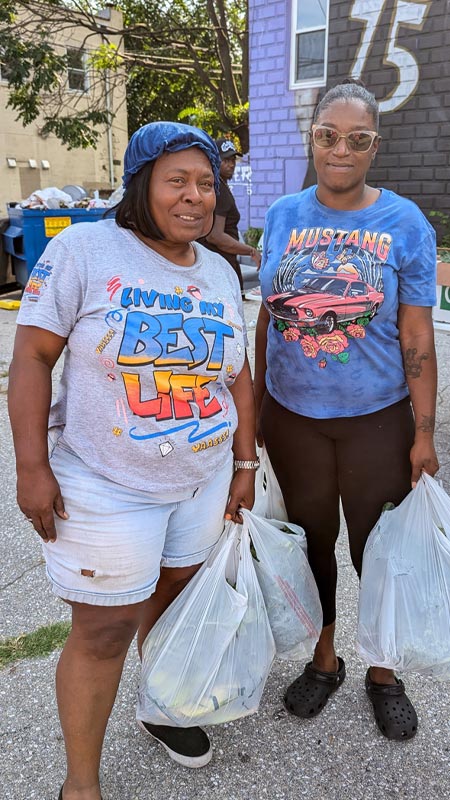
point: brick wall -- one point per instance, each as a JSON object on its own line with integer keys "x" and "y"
{"x": 414, "y": 158}
{"x": 277, "y": 153}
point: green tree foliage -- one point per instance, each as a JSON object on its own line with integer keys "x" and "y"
{"x": 181, "y": 59}
{"x": 201, "y": 48}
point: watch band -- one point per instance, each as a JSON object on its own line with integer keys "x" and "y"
{"x": 246, "y": 464}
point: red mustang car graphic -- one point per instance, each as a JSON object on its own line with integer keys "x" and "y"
{"x": 325, "y": 300}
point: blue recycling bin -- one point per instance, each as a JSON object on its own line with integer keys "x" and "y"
{"x": 30, "y": 230}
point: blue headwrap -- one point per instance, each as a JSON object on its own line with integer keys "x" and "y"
{"x": 150, "y": 141}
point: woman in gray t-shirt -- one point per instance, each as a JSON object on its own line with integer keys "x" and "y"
{"x": 154, "y": 404}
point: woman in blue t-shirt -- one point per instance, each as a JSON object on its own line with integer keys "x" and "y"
{"x": 344, "y": 349}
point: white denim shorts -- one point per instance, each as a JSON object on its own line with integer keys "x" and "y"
{"x": 110, "y": 550}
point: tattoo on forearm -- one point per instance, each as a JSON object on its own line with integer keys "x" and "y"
{"x": 427, "y": 424}
{"x": 413, "y": 363}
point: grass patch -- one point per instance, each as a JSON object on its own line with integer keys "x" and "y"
{"x": 32, "y": 645}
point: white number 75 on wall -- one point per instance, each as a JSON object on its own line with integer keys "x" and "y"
{"x": 404, "y": 13}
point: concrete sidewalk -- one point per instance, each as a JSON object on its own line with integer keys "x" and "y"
{"x": 339, "y": 755}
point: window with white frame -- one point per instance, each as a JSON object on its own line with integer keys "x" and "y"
{"x": 76, "y": 70}
{"x": 309, "y": 42}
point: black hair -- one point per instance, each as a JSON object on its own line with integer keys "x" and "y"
{"x": 350, "y": 90}
{"x": 132, "y": 210}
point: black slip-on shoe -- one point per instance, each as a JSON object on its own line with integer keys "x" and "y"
{"x": 189, "y": 747}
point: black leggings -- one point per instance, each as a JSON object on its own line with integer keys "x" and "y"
{"x": 363, "y": 460}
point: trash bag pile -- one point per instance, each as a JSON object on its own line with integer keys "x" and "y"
{"x": 52, "y": 198}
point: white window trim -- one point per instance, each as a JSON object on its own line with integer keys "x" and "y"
{"x": 86, "y": 88}
{"x": 293, "y": 84}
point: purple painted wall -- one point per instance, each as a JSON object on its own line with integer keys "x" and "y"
{"x": 400, "y": 51}
{"x": 278, "y": 156}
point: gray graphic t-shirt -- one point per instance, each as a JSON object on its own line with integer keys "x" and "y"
{"x": 152, "y": 349}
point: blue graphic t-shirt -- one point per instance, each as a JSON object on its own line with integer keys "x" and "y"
{"x": 152, "y": 351}
{"x": 332, "y": 282}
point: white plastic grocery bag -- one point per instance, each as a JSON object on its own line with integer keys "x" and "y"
{"x": 404, "y": 603}
{"x": 186, "y": 645}
{"x": 207, "y": 658}
{"x": 287, "y": 583}
{"x": 268, "y": 498}
{"x": 239, "y": 683}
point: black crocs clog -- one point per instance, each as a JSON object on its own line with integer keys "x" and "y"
{"x": 394, "y": 713}
{"x": 308, "y": 695}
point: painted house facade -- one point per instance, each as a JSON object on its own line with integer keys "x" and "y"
{"x": 398, "y": 48}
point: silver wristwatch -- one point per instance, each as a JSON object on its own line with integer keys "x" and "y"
{"x": 246, "y": 464}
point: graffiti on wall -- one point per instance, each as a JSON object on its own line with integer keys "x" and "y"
{"x": 377, "y": 16}
{"x": 241, "y": 187}
{"x": 405, "y": 14}
{"x": 242, "y": 175}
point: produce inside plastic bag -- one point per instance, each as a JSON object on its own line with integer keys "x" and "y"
{"x": 207, "y": 658}
{"x": 404, "y": 603}
{"x": 239, "y": 683}
{"x": 269, "y": 501}
{"x": 287, "y": 583}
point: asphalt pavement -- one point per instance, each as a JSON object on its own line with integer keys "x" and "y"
{"x": 339, "y": 755}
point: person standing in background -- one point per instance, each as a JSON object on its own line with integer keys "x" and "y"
{"x": 224, "y": 235}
